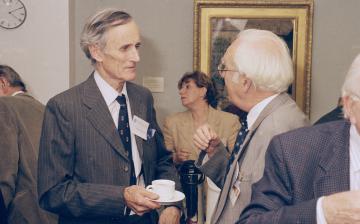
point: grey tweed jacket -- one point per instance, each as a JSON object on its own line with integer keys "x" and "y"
{"x": 301, "y": 166}
{"x": 20, "y": 127}
{"x": 83, "y": 166}
{"x": 279, "y": 116}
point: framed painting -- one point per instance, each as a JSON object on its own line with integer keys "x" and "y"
{"x": 217, "y": 23}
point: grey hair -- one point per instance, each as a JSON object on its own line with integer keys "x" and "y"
{"x": 12, "y": 77}
{"x": 264, "y": 58}
{"x": 351, "y": 86}
{"x": 94, "y": 32}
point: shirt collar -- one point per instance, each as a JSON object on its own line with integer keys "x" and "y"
{"x": 17, "y": 93}
{"x": 256, "y": 110}
{"x": 107, "y": 91}
{"x": 355, "y": 147}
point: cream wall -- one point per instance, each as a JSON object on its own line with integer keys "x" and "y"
{"x": 39, "y": 49}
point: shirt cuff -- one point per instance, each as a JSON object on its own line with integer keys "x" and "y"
{"x": 320, "y": 218}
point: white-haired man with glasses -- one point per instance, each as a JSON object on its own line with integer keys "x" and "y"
{"x": 258, "y": 70}
{"x": 306, "y": 168}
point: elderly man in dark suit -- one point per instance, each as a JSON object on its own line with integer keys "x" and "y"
{"x": 20, "y": 127}
{"x": 257, "y": 70}
{"x": 101, "y": 143}
{"x": 312, "y": 174}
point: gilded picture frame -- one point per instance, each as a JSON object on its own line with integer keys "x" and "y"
{"x": 217, "y": 23}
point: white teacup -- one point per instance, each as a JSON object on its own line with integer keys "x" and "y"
{"x": 164, "y": 188}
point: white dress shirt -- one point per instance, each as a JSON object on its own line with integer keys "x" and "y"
{"x": 17, "y": 93}
{"x": 354, "y": 171}
{"x": 110, "y": 95}
{"x": 256, "y": 110}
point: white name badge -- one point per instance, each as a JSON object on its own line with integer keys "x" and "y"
{"x": 140, "y": 127}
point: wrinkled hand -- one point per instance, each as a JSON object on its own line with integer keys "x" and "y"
{"x": 140, "y": 200}
{"x": 343, "y": 207}
{"x": 170, "y": 215}
{"x": 206, "y": 139}
{"x": 181, "y": 155}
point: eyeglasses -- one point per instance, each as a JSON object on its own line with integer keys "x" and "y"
{"x": 222, "y": 68}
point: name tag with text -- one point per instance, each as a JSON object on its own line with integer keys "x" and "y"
{"x": 140, "y": 127}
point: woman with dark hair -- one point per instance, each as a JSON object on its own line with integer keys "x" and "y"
{"x": 198, "y": 95}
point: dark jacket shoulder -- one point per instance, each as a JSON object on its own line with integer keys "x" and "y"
{"x": 313, "y": 140}
{"x": 313, "y": 132}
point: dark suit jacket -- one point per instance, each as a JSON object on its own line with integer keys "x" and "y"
{"x": 83, "y": 166}
{"x": 20, "y": 126}
{"x": 301, "y": 166}
{"x": 334, "y": 115}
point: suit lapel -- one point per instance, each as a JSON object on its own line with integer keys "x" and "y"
{"x": 230, "y": 178}
{"x": 99, "y": 116}
{"x": 138, "y": 108}
{"x": 334, "y": 166}
{"x": 270, "y": 108}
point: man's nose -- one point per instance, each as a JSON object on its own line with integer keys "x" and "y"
{"x": 134, "y": 55}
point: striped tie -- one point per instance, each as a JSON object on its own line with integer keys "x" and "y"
{"x": 238, "y": 144}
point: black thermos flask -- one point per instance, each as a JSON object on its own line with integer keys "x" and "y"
{"x": 191, "y": 177}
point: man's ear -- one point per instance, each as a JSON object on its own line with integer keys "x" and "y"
{"x": 5, "y": 86}
{"x": 349, "y": 109}
{"x": 347, "y": 106}
{"x": 96, "y": 52}
{"x": 3, "y": 82}
{"x": 246, "y": 83}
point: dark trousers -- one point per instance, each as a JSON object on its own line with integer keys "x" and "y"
{"x": 3, "y": 212}
{"x": 133, "y": 219}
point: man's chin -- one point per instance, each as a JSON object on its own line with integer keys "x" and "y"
{"x": 130, "y": 76}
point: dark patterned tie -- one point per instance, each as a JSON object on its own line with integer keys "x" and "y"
{"x": 124, "y": 132}
{"x": 238, "y": 144}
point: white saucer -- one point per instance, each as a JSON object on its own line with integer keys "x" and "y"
{"x": 178, "y": 196}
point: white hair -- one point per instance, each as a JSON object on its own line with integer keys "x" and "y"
{"x": 264, "y": 58}
{"x": 351, "y": 86}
